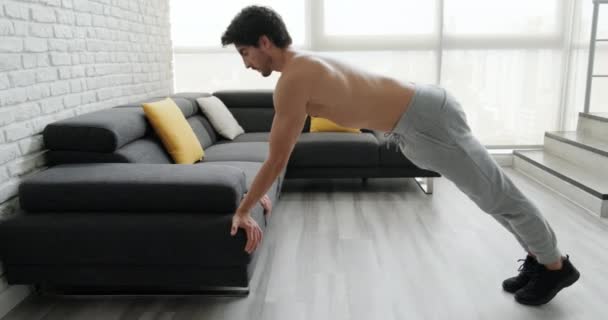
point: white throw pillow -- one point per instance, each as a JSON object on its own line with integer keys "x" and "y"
{"x": 220, "y": 117}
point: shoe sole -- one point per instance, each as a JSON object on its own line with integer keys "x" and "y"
{"x": 552, "y": 295}
{"x": 512, "y": 291}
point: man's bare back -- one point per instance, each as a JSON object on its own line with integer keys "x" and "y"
{"x": 347, "y": 95}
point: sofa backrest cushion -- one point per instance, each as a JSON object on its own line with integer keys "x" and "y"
{"x": 104, "y": 130}
{"x": 203, "y": 130}
{"x": 121, "y": 134}
{"x": 187, "y": 106}
{"x": 253, "y": 109}
{"x": 100, "y": 131}
{"x": 186, "y": 101}
{"x": 148, "y": 149}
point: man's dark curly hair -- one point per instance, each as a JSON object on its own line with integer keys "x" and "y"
{"x": 252, "y": 23}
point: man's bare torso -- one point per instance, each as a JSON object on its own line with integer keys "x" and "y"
{"x": 349, "y": 96}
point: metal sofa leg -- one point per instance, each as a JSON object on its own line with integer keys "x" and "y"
{"x": 426, "y": 184}
{"x": 92, "y": 291}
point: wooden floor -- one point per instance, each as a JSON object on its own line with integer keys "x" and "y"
{"x": 336, "y": 249}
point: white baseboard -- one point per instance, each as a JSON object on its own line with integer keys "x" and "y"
{"x": 503, "y": 157}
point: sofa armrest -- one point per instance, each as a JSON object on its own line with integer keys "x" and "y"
{"x": 120, "y": 187}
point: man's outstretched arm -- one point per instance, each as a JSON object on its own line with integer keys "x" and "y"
{"x": 290, "y": 100}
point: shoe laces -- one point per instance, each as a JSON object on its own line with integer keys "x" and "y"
{"x": 529, "y": 266}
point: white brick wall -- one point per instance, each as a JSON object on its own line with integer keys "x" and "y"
{"x": 61, "y": 58}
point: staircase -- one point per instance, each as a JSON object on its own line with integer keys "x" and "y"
{"x": 575, "y": 164}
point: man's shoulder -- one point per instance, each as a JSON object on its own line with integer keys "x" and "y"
{"x": 297, "y": 80}
{"x": 307, "y": 63}
{"x": 293, "y": 78}
{"x": 302, "y": 69}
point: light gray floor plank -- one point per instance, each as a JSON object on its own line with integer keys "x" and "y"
{"x": 336, "y": 249}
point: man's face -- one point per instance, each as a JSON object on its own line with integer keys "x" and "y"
{"x": 256, "y": 59}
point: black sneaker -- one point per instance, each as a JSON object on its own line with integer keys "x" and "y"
{"x": 544, "y": 284}
{"x": 529, "y": 266}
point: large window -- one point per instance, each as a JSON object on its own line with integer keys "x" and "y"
{"x": 519, "y": 18}
{"x": 374, "y": 25}
{"x": 518, "y": 67}
{"x": 379, "y": 18}
{"x": 198, "y": 25}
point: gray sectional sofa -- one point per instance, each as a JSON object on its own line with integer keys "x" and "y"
{"x": 113, "y": 211}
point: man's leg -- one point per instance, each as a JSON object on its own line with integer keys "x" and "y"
{"x": 442, "y": 141}
{"x": 508, "y": 226}
{"x": 468, "y": 164}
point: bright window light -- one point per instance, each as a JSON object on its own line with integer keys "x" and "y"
{"x": 200, "y": 24}
{"x": 501, "y": 17}
{"x": 379, "y": 17}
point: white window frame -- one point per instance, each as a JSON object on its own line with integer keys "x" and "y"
{"x": 317, "y": 40}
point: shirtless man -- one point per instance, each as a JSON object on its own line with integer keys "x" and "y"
{"x": 426, "y": 122}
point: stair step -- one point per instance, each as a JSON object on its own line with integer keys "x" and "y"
{"x": 599, "y": 116}
{"x": 584, "y": 151}
{"x": 592, "y": 181}
{"x": 580, "y": 140}
{"x": 593, "y": 125}
{"x": 586, "y": 187}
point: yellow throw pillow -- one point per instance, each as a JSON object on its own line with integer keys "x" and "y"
{"x": 324, "y": 125}
{"x": 174, "y": 131}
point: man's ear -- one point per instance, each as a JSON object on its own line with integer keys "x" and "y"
{"x": 264, "y": 42}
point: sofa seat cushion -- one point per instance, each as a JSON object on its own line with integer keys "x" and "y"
{"x": 251, "y": 170}
{"x": 237, "y": 151}
{"x": 118, "y": 187}
{"x": 249, "y": 137}
{"x": 335, "y": 149}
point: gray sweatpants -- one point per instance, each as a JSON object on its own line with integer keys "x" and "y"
{"x": 433, "y": 133}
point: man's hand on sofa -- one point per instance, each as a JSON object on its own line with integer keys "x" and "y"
{"x": 266, "y": 204}
{"x": 251, "y": 227}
